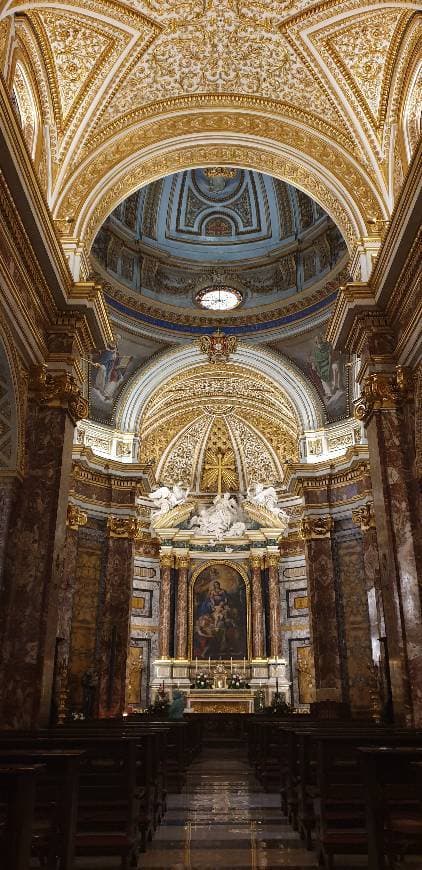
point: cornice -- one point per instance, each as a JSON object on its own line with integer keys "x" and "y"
{"x": 352, "y": 466}
{"x": 111, "y": 472}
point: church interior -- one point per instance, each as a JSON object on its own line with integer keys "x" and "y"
{"x": 210, "y": 434}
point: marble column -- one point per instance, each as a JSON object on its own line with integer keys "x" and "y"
{"x": 322, "y": 597}
{"x": 397, "y": 512}
{"x": 257, "y": 606}
{"x": 75, "y": 519}
{"x": 166, "y": 565}
{"x": 35, "y": 550}
{"x": 364, "y": 518}
{"x": 272, "y": 561}
{"x": 115, "y": 617}
{"x": 182, "y": 565}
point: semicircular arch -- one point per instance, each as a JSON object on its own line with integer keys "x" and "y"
{"x": 284, "y": 374}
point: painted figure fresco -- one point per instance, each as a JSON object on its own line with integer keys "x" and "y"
{"x": 219, "y": 614}
{"x": 110, "y": 371}
{"x": 328, "y": 373}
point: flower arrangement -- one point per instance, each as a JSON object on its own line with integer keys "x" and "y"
{"x": 203, "y": 680}
{"x": 236, "y": 681}
{"x": 279, "y": 705}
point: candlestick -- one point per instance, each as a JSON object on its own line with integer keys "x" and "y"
{"x": 276, "y": 685}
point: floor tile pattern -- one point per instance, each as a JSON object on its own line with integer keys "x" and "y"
{"x": 224, "y": 819}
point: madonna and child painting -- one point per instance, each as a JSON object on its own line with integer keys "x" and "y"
{"x": 219, "y": 614}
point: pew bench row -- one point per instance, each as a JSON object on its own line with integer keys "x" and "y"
{"x": 347, "y": 788}
{"x": 89, "y": 789}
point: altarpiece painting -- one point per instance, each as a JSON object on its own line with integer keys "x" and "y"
{"x": 219, "y": 613}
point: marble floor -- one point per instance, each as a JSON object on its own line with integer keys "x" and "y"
{"x": 223, "y": 818}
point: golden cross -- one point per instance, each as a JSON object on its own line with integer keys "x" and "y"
{"x": 219, "y": 469}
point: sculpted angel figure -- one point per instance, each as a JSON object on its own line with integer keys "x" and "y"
{"x": 266, "y": 497}
{"x": 164, "y": 499}
{"x": 220, "y": 520}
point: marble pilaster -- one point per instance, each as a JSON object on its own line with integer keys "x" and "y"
{"x": 75, "y": 519}
{"x": 35, "y": 550}
{"x": 397, "y": 517}
{"x": 115, "y": 627}
{"x": 272, "y": 561}
{"x": 322, "y": 597}
{"x": 8, "y": 489}
{"x": 257, "y": 606}
{"x": 166, "y": 565}
{"x": 182, "y": 565}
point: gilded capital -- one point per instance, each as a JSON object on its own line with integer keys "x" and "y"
{"x": 364, "y": 517}
{"x": 182, "y": 561}
{"x": 75, "y": 517}
{"x": 383, "y": 391}
{"x": 122, "y": 527}
{"x": 255, "y": 560}
{"x": 272, "y": 560}
{"x": 58, "y": 390}
{"x": 317, "y": 527}
{"x": 166, "y": 560}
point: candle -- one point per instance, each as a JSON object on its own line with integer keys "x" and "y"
{"x": 244, "y": 665}
{"x": 260, "y": 684}
{"x": 196, "y": 660}
{"x": 231, "y": 664}
{"x": 209, "y": 663}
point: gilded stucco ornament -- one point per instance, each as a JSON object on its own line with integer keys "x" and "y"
{"x": 218, "y": 346}
{"x": 364, "y": 517}
{"x": 166, "y": 560}
{"x": 382, "y": 391}
{"x": 59, "y": 390}
{"x": 317, "y": 527}
{"x": 122, "y": 527}
{"x": 75, "y": 517}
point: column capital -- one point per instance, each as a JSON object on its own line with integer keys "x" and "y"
{"x": 272, "y": 559}
{"x": 256, "y": 559}
{"x": 383, "y": 391}
{"x": 122, "y": 527}
{"x": 182, "y": 560}
{"x": 58, "y": 390}
{"x": 317, "y": 527}
{"x": 166, "y": 560}
{"x": 364, "y": 517}
{"x": 75, "y": 517}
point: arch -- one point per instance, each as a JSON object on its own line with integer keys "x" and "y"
{"x": 284, "y": 373}
{"x": 321, "y": 168}
{"x": 234, "y": 585}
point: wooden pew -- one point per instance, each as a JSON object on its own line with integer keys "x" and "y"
{"x": 56, "y": 800}
{"x": 17, "y": 800}
{"x": 392, "y": 778}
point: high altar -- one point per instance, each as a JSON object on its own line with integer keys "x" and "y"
{"x": 220, "y": 606}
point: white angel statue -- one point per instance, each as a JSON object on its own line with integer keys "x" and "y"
{"x": 266, "y": 497}
{"x": 164, "y": 499}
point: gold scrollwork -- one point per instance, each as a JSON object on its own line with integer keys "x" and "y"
{"x": 364, "y": 517}
{"x": 122, "y": 527}
{"x": 384, "y": 391}
{"x": 166, "y": 560}
{"x": 317, "y": 527}
{"x": 59, "y": 389}
{"x": 75, "y": 517}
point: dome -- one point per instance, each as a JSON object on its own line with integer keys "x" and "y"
{"x": 204, "y": 230}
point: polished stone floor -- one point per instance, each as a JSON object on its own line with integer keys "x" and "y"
{"x": 224, "y": 819}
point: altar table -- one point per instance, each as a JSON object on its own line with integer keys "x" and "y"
{"x": 220, "y": 701}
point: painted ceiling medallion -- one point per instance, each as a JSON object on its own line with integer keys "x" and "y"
{"x": 219, "y": 298}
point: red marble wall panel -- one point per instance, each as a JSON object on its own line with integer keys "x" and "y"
{"x": 322, "y": 600}
{"x": 84, "y": 619}
{"x": 398, "y": 517}
{"x": 115, "y": 626}
{"x": 33, "y": 566}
